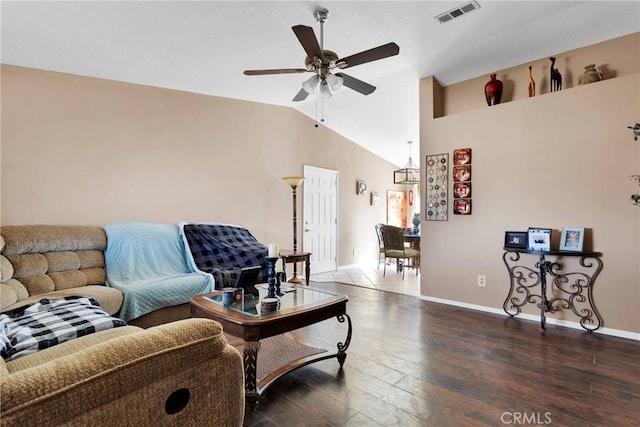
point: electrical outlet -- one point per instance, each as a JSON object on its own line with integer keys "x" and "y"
{"x": 482, "y": 281}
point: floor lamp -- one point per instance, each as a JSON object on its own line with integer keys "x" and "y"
{"x": 294, "y": 182}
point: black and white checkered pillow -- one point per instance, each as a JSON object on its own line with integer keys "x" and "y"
{"x": 48, "y": 322}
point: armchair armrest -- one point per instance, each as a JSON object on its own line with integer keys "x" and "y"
{"x": 183, "y": 371}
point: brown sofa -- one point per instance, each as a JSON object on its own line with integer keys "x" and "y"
{"x": 183, "y": 372}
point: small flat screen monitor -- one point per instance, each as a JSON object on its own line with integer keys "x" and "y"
{"x": 248, "y": 279}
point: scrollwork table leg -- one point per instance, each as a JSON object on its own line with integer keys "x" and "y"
{"x": 342, "y": 347}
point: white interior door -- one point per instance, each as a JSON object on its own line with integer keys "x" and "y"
{"x": 320, "y": 213}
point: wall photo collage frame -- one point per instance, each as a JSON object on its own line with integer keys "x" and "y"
{"x": 462, "y": 181}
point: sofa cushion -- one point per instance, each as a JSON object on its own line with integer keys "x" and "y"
{"x": 47, "y": 258}
{"x": 52, "y": 238}
{"x": 110, "y": 299}
{"x": 8, "y": 296}
{"x": 6, "y": 269}
{"x": 49, "y": 322}
{"x": 18, "y": 288}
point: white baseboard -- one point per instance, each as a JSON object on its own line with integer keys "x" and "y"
{"x": 573, "y": 325}
{"x": 566, "y": 323}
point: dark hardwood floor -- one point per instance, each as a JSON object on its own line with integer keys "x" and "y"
{"x": 416, "y": 363}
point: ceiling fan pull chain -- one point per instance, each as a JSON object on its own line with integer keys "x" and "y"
{"x": 315, "y": 92}
{"x": 321, "y": 108}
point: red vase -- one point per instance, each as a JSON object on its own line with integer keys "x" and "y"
{"x": 493, "y": 91}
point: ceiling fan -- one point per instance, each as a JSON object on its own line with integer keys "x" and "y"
{"x": 321, "y": 62}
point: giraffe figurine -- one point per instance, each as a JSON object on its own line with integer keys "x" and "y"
{"x": 532, "y": 84}
{"x": 556, "y": 77}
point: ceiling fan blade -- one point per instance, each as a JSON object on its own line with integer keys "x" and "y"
{"x": 301, "y": 96}
{"x": 274, "y": 71}
{"x": 308, "y": 40}
{"x": 380, "y": 52}
{"x": 355, "y": 84}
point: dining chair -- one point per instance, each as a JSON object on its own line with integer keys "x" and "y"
{"x": 379, "y": 233}
{"x": 394, "y": 247}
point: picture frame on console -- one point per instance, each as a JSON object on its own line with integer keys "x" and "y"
{"x": 572, "y": 239}
{"x": 539, "y": 239}
{"x": 515, "y": 239}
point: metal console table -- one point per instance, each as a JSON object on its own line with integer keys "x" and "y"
{"x": 572, "y": 291}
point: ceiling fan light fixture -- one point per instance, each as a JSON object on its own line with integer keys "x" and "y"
{"x": 310, "y": 84}
{"x": 335, "y": 82}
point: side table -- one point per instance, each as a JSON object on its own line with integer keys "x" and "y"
{"x": 574, "y": 290}
{"x": 289, "y": 257}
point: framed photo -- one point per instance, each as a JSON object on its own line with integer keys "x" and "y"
{"x": 375, "y": 199}
{"x": 462, "y": 156}
{"x": 361, "y": 187}
{"x": 515, "y": 239}
{"x": 572, "y": 239}
{"x": 539, "y": 239}
{"x": 462, "y": 190}
{"x": 462, "y": 173}
{"x": 462, "y": 206}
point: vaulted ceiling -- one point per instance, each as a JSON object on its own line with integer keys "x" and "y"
{"x": 205, "y": 46}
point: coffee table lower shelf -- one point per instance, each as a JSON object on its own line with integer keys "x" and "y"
{"x": 277, "y": 356}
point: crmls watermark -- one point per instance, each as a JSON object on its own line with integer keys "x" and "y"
{"x": 526, "y": 418}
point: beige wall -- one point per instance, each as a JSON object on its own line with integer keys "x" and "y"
{"x": 79, "y": 150}
{"x": 555, "y": 160}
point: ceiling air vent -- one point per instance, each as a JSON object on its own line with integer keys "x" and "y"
{"x": 458, "y": 11}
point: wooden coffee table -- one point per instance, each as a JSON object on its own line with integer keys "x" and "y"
{"x": 301, "y": 307}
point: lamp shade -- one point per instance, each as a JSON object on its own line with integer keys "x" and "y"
{"x": 310, "y": 84}
{"x": 293, "y": 181}
{"x": 335, "y": 82}
{"x": 407, "y": 175}
{"x": 410, "y": 174}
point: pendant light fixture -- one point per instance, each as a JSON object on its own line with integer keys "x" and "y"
{"x": 410, "y": 174}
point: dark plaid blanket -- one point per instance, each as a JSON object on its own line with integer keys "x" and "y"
{"x": 222, "y": 250}
{"x": 48, "y": 322}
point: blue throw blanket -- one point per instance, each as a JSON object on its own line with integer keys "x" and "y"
{"x": 223, "y": 250}
{"x": 148, "y": 263}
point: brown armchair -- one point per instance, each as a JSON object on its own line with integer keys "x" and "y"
{"x": 394, "y": 247}
{"x": 379, "y": 233}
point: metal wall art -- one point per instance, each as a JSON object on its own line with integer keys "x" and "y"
{"x": 437, "y": 203}
{"x": 462, "y": 181}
